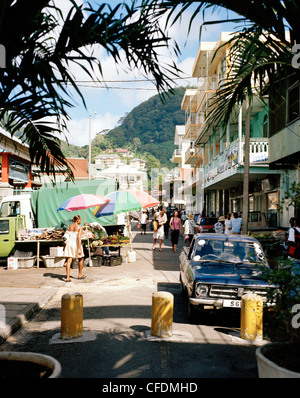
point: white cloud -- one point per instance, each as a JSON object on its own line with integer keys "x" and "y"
{"x": 79, "y": 129}
{"x": 113, "y": 103}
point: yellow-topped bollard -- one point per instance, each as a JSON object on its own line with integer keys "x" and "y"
{"x": 252, "y": 317}
{"x": 71, "y": 315}
{"x": 162, "y": 314}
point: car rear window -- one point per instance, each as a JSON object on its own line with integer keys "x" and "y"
{"x": 208, "y": 221}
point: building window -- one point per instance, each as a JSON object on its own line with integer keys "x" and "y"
{"x": 293, "y": 103}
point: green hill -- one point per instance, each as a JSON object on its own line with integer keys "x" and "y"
{"x": 152, "y": 122}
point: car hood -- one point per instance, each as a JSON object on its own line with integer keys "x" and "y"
{"x": 240, "y": 274}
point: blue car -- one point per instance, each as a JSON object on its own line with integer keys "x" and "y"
{"x": 217, "y": 270}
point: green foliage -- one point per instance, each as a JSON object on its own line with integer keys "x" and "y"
{"x": 292, "y": 197}
{"x": 42, "y": 51}
{"x": 278, "y": 319}
{"x": 148, "y": 130}
{"x": 153, "y": 122}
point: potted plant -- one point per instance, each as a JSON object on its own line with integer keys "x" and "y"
{"x": 281, "y": 357}
{"x": 28, "y": 365}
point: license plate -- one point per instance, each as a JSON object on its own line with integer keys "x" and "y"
{"x": 232, "y": 303}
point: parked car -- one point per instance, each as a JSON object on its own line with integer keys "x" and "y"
{"x": 206, "y": 224}
{"x": 217, "y": 270}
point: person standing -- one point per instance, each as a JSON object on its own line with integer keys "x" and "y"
{"x": 166, "y": 225}
{"x": 161, "y": 218}
{"x": 293, "y": 238}
{"x": 188, "y": 229}
{"x": 175, "y": 224}
{"x": 227, "y": 224}
{"x": 143, "y": 222}
{"x": 73, "y": 248}
{"x": 236, "y": 223}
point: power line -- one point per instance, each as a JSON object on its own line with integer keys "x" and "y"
{"x": 132, "y": 80}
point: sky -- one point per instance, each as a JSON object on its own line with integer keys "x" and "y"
{"x": 125, "y": 90}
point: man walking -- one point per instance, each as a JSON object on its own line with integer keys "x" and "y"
{"x": 236, "y": 223}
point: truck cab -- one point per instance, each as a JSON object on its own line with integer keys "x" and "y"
{"x": 9, "y": 228}
{"x": 12, "y": 206}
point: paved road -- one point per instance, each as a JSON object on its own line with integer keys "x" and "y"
{"x": 116, "y": 341}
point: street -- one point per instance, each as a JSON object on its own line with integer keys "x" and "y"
{"x": 117, "y": 341}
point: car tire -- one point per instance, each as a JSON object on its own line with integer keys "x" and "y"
{"x": 182, "y": 288}
{"x": 191, "y": 313}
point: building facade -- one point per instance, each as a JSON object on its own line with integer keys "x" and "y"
{"x": 216, "y": 155}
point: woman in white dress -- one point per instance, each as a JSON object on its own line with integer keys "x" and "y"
{"x": 228, "y": 225}
{"x": 73, "y": 248}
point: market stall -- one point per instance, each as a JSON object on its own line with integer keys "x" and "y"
{"x": 30, "y": 242}
{"x": 100, "y": 241}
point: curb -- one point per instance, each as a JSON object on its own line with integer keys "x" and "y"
{"x": 15, "y": 322}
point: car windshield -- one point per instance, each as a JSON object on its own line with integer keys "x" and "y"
{"x": 208, "y": 221}
{"x": 228, "y": 250}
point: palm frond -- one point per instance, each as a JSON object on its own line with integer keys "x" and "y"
{"x": 38, "y": 82}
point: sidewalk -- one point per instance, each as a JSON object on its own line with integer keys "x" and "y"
{"x": 117, "y": 303}
{"x": 24, "y": 292}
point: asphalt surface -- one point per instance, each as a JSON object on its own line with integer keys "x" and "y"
{"x": 116, "y": 340}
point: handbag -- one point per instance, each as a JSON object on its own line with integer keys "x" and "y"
{"x": 291, "y": 249}
{"x": 139, "y": 226}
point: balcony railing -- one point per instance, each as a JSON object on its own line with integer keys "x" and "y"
{"x": 193, "y": 155}
{"x": 232, "y": 156}
{"x": 176, "y": 156}
{"x": 191, "y": 126}
{"x": 209, "y": 86}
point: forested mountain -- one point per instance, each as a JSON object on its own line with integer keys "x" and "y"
{"x": 148, "y": 130}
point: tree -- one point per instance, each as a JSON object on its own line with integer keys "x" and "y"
{"x": 41, "y": 51}
{"x": 137, "y": 143}
{"x": 261, "y": 50}
{"x": 261, "y": 56}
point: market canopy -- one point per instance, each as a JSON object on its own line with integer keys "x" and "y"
{"x": 48, "y": 198}
{"x": 125, "y": 201}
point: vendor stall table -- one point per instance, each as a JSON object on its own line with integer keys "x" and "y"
{"x": 59, "y": 242}
{"x": 38, "y": 243}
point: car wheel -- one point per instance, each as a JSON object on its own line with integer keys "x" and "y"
{"x": 182, "y": 287}
{"x": 191, "y": 313}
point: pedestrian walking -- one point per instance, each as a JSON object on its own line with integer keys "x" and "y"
{"x": 166, "y": 225}
{"x": 176, "y": 228}
{"x": 188, "y": 229}
{"x": 159, "y": 235}
{"x": 144, "y": 222}
{"x": 293, "y": 240}
{"x": 73, "y": 248}
{"x": 227, "y": 223}
{"x": 236, "y": 223}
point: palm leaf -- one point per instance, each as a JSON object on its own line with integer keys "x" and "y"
{"x": 38, "y": 82}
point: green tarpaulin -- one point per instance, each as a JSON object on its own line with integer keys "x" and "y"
{"x": 47, "y": 200}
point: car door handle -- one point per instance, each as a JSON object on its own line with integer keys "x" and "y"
{"x": 5, "y": 240}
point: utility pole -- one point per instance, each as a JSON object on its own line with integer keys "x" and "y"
{"x": 246, "y": 168}
{"x": 90, "y": 122}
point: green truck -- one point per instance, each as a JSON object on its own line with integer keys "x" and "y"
{"x": 9, "y": 229}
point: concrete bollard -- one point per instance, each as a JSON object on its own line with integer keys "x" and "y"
{"x": 71, "y": 315}
{"x": 252, "y": 317}
{"x": 162, "y": 314}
